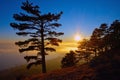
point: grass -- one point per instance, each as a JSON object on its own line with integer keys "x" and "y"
{"x": 18, "y": 71}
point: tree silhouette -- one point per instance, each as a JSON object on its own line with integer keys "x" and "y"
{"x": 114, "y": 34}
{"x": 84, "y": 50}
{"x": 106, "y": 37}
{"x": 40, "y": 30}
{"x": 96, "y": 40}
{"x": 103, "y": 40}
{"x": 69, "y": 60}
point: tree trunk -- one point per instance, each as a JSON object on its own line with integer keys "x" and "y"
{"x": 43, "y": 51}
{"x": 95, "y": 52}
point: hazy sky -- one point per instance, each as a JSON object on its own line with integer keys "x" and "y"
{"x": 79, "y": 16}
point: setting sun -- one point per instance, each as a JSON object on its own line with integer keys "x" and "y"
{"x": 77, "y": 38}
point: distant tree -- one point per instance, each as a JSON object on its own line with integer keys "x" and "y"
{"x": 69, "y": 60}
{"x": 40, "y": 30}
{"x": 84, "y": 50}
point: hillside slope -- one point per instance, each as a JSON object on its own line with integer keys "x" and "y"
{"x": 83, "y": 72}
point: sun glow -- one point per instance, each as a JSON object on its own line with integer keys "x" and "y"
{"x": 77, "y": 37}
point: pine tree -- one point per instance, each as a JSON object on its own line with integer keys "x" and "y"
{"x": 40, "y": 29}
{"x": 69, "y": 60}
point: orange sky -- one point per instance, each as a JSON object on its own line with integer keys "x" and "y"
{"x": 10, "y": 47}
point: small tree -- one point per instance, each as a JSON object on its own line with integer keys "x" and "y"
{"x": 69, "y": 60}
{"x": 40, "y": 29}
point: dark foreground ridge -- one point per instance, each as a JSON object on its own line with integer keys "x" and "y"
{"x": 83, "y": 72}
